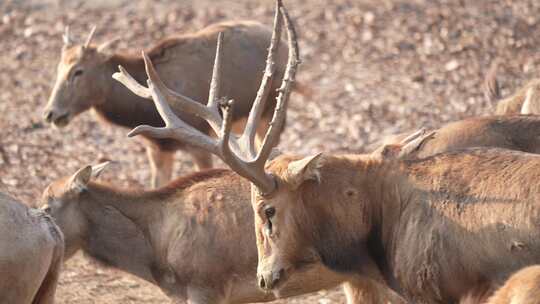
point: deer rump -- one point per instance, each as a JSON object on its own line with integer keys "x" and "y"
{"x": 31, "y": 254}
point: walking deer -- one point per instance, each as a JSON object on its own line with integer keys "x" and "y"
{"x": 434, "y": 227}
{"x": 525, "y": 101}
{"x": 31, "y": 253}
{"x": 185, "y": 62}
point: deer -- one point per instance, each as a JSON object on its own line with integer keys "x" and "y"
{"x": 184, "y": 61}
{"x": 523, "y": 287}
{"x": 31, "y": 255}
{"x": 525, "y": 101}
{"x": 434, "y": 228}
{"x": 513, "y": 132}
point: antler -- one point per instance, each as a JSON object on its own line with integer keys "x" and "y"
{"x": 242, "y": 156}
{"x": 492, "y": 92}
{"x": 66, "y": 37}
{"x": 90, "y": 37}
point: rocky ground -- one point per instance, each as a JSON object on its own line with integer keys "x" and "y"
{"x": 374, "y": 67}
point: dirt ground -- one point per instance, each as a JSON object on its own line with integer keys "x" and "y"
{"x": 374, "y": 67}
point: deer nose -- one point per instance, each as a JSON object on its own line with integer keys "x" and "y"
{"x": 268, "y": 280}
{"x": 47, "y": 116}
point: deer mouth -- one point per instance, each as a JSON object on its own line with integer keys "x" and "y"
{"x": 61, "y": 121}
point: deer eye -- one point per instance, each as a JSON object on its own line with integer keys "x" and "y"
{"x": 269, "y": 212}
{"x": 77, "y": 73}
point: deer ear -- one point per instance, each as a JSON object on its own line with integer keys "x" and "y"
{"x": 303, "y": 170}
{"x": 80, "y": 179}
{"x": 529, "y": 104}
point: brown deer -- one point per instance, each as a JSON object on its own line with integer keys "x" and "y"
{"x": 32, "y": 249}
{"x": 525, "y": 101}
{"x": 188, "y": 238}
{"x": 435, "y": 228}
{"x": 514, "y": 132}
{"x": 523, "y": 287}
{"x": 185, "y": 62}
{"x": 358, "y": 289}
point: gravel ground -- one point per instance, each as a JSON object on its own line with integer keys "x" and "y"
{"x": 373, "y": 67}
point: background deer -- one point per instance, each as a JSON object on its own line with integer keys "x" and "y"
{"x": 525, "y": 101}
{"x": 435, "y": 228}
{"x": 32, "y": 248}
{"x": 514, "y": 132}
{"x": 185, "y": 63}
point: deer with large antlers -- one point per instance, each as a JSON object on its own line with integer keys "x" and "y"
{"x": 185, "y": 63}
{"x": 248, "y": 163}
{"x": 434, "y": 228}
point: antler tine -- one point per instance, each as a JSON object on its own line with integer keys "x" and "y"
{"x": 90, "y": 37}
{"x": 179, "y": 101}
{"x": 255, "y": 174}
{"x": 215, "y": 84}
{"x": 125, "y": 78}
{"x": 174, "y": 126}
{"x": 278, "y": 120}
{"x": 492, "y": 92}
{"x": 248, "y": 137}
{"x": 66, "y": 37}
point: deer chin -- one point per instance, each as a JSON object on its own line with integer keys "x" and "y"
{"x": 62, "y": 121}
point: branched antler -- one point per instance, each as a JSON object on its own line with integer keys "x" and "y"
{"x": 237, "y": 152}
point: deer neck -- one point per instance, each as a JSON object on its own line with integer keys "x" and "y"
{"x": 120, "y": 106}
{"x": 116, "y": 224}
{"x": 363, "y": 202}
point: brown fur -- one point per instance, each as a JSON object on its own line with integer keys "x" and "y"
{"x": 512, "y": 104}
{"x": 435, "y": 228}
{"x": 514, "y": 132}
{"x": 189, "y": 238}
{"x": 30, "y": 256}
{"x": 184, "y": 62}
{"x": 522, "y": 288}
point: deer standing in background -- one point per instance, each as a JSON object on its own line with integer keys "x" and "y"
{"x": 185, "y": 62}
{"x": 525, "y": 101}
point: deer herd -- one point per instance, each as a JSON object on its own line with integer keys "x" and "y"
{"x": 449, "y": 215}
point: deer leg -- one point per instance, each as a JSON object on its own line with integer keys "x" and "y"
{"x": 201, "y": 159}
{"x": 161, "y": 165}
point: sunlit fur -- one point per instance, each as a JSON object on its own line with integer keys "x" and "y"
{"x": 514, "y": 132}
{"x": 434, "y": 228}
